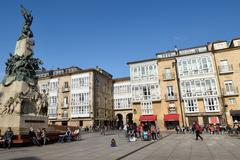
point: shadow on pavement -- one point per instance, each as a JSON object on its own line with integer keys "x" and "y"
{"x": 26, "y": 158}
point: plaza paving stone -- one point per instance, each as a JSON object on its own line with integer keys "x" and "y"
{"x": 97, "y": 147}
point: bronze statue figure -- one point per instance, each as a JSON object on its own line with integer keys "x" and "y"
{"x": 26, "y": 31}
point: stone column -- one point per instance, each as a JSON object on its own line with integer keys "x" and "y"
{"x": 187, "y": 122}
{"x": 200, "y": 120}
{"x": 124, "y": 118}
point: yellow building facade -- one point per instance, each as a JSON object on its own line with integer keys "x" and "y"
{"x": 227, "y": 60}
{"x": 78, "y": 97}
{"x": 195, "y": 84}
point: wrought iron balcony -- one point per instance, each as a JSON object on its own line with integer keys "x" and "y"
{"x": 171, "y": 97}
{"x": 230, "y": 92}
{"x": 225, "y": 69}
{"x": 168, "y": 76}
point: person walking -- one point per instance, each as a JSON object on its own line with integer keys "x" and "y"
{"x": 8, "y": 138}
{"x": 198, "y": 130}
{"x": 177, "y": 129}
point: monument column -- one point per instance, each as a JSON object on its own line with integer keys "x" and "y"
{"x": 21, "y": 104}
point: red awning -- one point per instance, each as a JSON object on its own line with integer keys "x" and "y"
{"x": 147, "y": 118}
{"x": 171, "y": 117}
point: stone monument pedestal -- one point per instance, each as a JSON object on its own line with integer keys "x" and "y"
{"x": 20, "y": 124}
{"x": 22, "y": 112}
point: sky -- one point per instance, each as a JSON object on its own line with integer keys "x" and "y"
{"x": 110, "y": 33}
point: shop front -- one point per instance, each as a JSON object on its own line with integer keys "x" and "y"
{"x": 235, "y": 115}
{"x": 148, "y": 120}
{"x": 171, "y": 120}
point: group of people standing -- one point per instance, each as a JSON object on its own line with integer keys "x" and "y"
{"x": 145, "y": 131}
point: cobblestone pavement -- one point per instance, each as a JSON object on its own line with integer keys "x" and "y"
{"x": 185, "y": 147}
{"x": 97, "y": 147}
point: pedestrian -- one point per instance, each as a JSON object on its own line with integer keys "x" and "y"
{"x": 153, "y": 132}
{"x": 33, "y": 137}
{"x": 198, "y": 130}
{"x": 8, "y": 138}
{"x": 102, "y": 128}
{"x": 177, "y": 129}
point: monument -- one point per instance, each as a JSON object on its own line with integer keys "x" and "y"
{"x": 21, "y": 104}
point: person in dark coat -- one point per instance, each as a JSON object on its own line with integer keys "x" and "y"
{"x": 33, "y": 137}
{"x": 8, "y": 138}
{"x": 198, "y": 130}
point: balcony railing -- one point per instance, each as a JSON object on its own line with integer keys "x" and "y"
{"x": 64, "y": 115}
{"x": 52, "y": 116}
{"x": 64, "y": 105}
{"x": 224, "y": 69}
{"x": 230, "y": 92}
{"x": 146, "y": 97}
{"x": 171, "y": 97}
{"x": 65, "y": 89}
{"x": 168, "y": 76}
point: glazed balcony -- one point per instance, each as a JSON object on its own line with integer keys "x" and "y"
{"x": 225, "y": 69}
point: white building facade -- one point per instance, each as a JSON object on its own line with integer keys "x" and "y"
{"x": 145, "y": 86}
{"x": 199, "y": 88}
{"x": 122, "y": 100}
{"x": 80, "y": 95}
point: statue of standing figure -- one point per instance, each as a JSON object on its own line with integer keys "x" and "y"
{"x": 42, "y": 103}
{"x": 26, "y": 31}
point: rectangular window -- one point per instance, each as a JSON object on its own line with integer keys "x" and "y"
{"x": 232, "y": 101}
{"x": 143, "y": 71}
{"x": 146, "y": 92}
{"x": 65, "y": 84}
{"x": 211, "y": 104}
{"x": 185, "y": 68}
{"x": 204, "y": 63}
{"x": 65, "y": 100}
{"x": 168, "y": 73}
{"x": 229, "y": 89}
{"x": 170, "y": 92}
{"x": 146, "y": 108}
{"x": 224, "y": 67}
{"x": 191, "y": 105}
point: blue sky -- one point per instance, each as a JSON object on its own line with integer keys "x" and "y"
{"x": 109, "y": 33}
